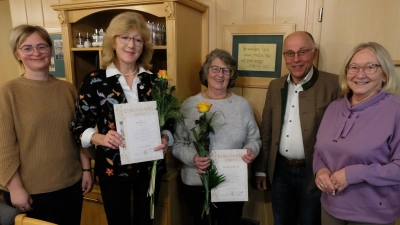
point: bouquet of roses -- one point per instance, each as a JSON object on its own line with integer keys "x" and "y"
{"x": 168, "y": 108}
{"x": 201, "y": 132}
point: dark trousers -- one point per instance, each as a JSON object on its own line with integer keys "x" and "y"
{"x": 61, "y": 207}
{"x": 117, "y": 201}
{"x": 292, "y": 202}
{"x": 226, "y": 213}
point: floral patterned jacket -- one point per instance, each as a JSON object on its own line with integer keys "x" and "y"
{"x": 94, "y": 107}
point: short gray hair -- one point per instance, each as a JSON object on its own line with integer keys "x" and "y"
{"x": 225, "y": 57}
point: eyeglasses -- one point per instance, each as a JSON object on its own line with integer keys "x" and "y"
{"x": 125, "y": 39}
{"x": 300, "y": 54}
{"x": 368, "y": 69}
{"x": 29, "y": 49}
{"x": 217, "y": 69}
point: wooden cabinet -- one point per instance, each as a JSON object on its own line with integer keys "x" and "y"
{"x": 186, "y": 23}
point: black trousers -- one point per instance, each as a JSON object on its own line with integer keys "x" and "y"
{"x": 226, "y": 213}
{"x": 117, "y": 201}
{"x": 62, "y": 207}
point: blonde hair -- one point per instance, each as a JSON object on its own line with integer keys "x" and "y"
{"x": 20, "y": 33}
{"x": 120, "y": 24}
{"x": 385, "y": 60}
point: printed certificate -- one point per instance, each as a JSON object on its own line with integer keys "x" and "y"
{"x": 229, "y": 163}
{"x": 139, "y": 127}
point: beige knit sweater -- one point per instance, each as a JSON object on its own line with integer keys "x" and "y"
{"x": 35, "y": 138}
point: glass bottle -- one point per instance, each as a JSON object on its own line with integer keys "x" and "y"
{"x": 163, "y": 35}
{"x": 87, "y": 42}
{"x": 150, "y": 26}
{"x": 79, "y": 41}
{"x": 95, "y": 38}
{"x": 153, "y": 33}
{"x": 101, "y": 37}
{"x": 158, "y": 34}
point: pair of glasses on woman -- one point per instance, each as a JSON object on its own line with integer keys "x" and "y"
{"x": 217, "y": 69}
{"x": 368, "y": 69}
{"x": 125, "y": 39}
{"x": 29, "y": 49}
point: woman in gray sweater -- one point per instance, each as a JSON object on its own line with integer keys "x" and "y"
{"x": 237, "y": 130}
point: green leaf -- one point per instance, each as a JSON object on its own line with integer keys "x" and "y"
{"x": 161, "y": 120}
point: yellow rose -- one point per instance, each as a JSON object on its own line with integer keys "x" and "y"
{"x": 162, "y": 74}
{"x": 203, "y": 107}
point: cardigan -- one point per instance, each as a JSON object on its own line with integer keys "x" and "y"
{"x": 36, "y": 141}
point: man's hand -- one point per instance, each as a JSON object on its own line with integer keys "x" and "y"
{"x": 261, "y": 183}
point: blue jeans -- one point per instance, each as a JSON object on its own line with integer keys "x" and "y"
{"x": 292, "y": 202}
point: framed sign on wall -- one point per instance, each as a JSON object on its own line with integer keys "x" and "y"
{"x": 258, "y": 50}
{"x": 57, "y": 67}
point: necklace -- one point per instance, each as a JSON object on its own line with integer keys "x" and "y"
{"x": 226, "y": 95}
{"x": 128, "y": 74}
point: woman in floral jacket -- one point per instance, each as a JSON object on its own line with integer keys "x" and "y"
{"x": 125, "y": 78}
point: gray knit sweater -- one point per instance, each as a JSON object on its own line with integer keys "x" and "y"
{"x": 234, "y": 126}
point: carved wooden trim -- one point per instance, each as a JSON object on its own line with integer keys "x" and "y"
{"x": 169, "y": 9}
{"x": 61, "y": 18}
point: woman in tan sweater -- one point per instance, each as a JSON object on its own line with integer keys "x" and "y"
{"x": 41, "y": 169}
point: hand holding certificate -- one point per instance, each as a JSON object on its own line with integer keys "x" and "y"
{"x": 139, "y": 127}
{"x": 230, "y": 163}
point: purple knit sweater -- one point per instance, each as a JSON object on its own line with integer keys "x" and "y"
{"x": 365, "y": 140}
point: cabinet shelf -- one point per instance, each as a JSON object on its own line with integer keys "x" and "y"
{"x": 86, "y": 49}
{"x": 156, "y": 47}
{"x": 160, "y": 47}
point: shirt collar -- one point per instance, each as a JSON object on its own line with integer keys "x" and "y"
{"x": 111, "y": 70}
{"x": 305, "y": 80}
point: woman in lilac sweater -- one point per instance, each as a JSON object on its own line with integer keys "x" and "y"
{"x": 357, "y": 153}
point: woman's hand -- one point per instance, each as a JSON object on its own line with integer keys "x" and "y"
{"x": 87, "y": 179}
{"x": 201, "y": 163}
{"x": 112, "y": 139}
{"x": 339, "y": 180}
{"x": 164, "y": 144}
{"x": 323, "y": 181}
{"x": 87, "y": 182}
{"x": 21, "y": 199}
{"x": 249, "y": 157}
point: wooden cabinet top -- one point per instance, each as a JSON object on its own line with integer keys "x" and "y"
{"x": 93, "y": 4}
